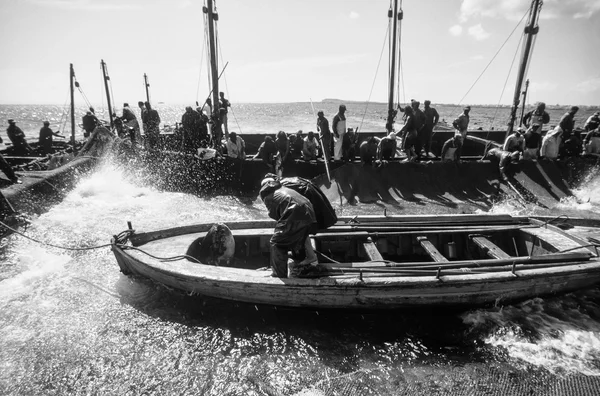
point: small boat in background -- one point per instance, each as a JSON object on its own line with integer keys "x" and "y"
{"x": 377, "y": 262}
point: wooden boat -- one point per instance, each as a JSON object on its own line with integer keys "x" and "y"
{"x": 377, "y": 262}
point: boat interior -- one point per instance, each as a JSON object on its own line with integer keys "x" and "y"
{"x": 409, "y": 248}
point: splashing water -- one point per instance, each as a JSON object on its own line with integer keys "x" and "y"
{"x": 70, "y": 323}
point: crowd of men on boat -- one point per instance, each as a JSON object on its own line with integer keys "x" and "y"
{"x": 198, "y": 135}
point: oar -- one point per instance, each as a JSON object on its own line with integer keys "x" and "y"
{"x": 326, "y": 160}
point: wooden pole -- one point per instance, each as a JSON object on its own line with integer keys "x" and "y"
{"x": 524, "y": 102}
{"x": 212, "y": 17}
{"x": 106, "y": 78}
{"x": 391, "y": 111}
{"x": 530, "y": 30}
{"x": 147, "y": 85}
{"x": 72, "y": 90}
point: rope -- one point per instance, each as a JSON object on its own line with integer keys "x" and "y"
{"x": 504, "y": 87}
{"x": 374, "y": 79}
{"x": 494, "y": 57}
{"x": 50, "y": 244}
{"x": 166, "y": 259}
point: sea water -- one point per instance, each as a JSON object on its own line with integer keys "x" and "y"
{"x": 71, "y": 323}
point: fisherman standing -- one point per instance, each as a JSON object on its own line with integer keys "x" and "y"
{"x": 324, "y": 134}
{"x": 90, "y": 122}
{"x": 339, "y": 130}
{"x": 45, "y": 139}
{"x": 538, "y": 116}
{"x": 188, "y": 125}
{"x": 152, "y": 127}
{"x": 131, "y": 121}
{"x": 143, "y": 115}
{"x": 17, "y": 137}
{"x": 224, "y": 104}
{"x": 419, "y": 121}
{"x": 410, "y": 137}
{"x": 236, "y": 148}
{"x": 295, "y": 219}
{"x": 461, "y": 123}
{"x": 431, "y": 120}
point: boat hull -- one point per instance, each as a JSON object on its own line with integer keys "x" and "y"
{"x": 383, "y": 291}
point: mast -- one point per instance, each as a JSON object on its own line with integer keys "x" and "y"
{"x": 524, "y": 101}
{"x": 106, "y": 78}
{"x": 147, "y": 85}
{"x": 391, "y": 112}
{"x": 530, "y": 30}
{"x": 214, "y": 72}
{"x": 72, "y": 89}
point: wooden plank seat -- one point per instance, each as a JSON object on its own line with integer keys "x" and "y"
{"x": 431, "y": 249}
{"x": 372, "y": 253}
{"x": 490, "y": 248}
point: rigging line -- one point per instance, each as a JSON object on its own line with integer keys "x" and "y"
{"x": 50, "y": 244}
{"x": 227, "y": 86}
{"x": 494, "y": 57}
{"x": 400, "y": 69}
{"x": 505, "y": 84}
{"x": 200, "y": 69}
{"x": 374, "y": 78}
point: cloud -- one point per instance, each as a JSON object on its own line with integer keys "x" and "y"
{"x": 515, "y": 9}
{"x": 354, "y": 15}
{"x": 588, "y": 86}
{"x": 456, "y": 30}
{"x": 93, "y": 5}
{"x": 478, "y": 32}
{"x": 544, "y": 86}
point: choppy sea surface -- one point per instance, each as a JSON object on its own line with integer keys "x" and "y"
{"x": 71, "y": 323}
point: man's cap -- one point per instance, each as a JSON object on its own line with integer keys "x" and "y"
{"x": 232, "y": 134}
{"x": 266, "y": 180}
{"x": 342, "y": 106}
{"x": 311, "y": 134}
{"x": 427, "y": 102}
{"x": 125, "y": 104}
{"x": 467, "y": 108}
{"x": 11, "y": 121}
{"x": 520, "y": 129}
{"x": 320, "y": 113}
{"x": 46, "y": 122}
{"x": 574, "y": 108}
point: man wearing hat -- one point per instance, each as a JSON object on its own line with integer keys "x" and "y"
{"x": 538, "y": 116}
{"x": 431, "y": 119}
{"x": 295, "y": 219}
{"x": 324, "y": 134}
{"x": 339, "y": 130}
{"x": 507, "y": 161}
{"x": 515, "y": 141}
{"x": 533, "y": 142}
{"x": 45, "y": 140}
{"x": 592, "y": 122}
{"x": 17, "y": 137}
{"x": 89, "y": 122}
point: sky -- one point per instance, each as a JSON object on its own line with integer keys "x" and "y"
{"x": 297, "y": 50}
